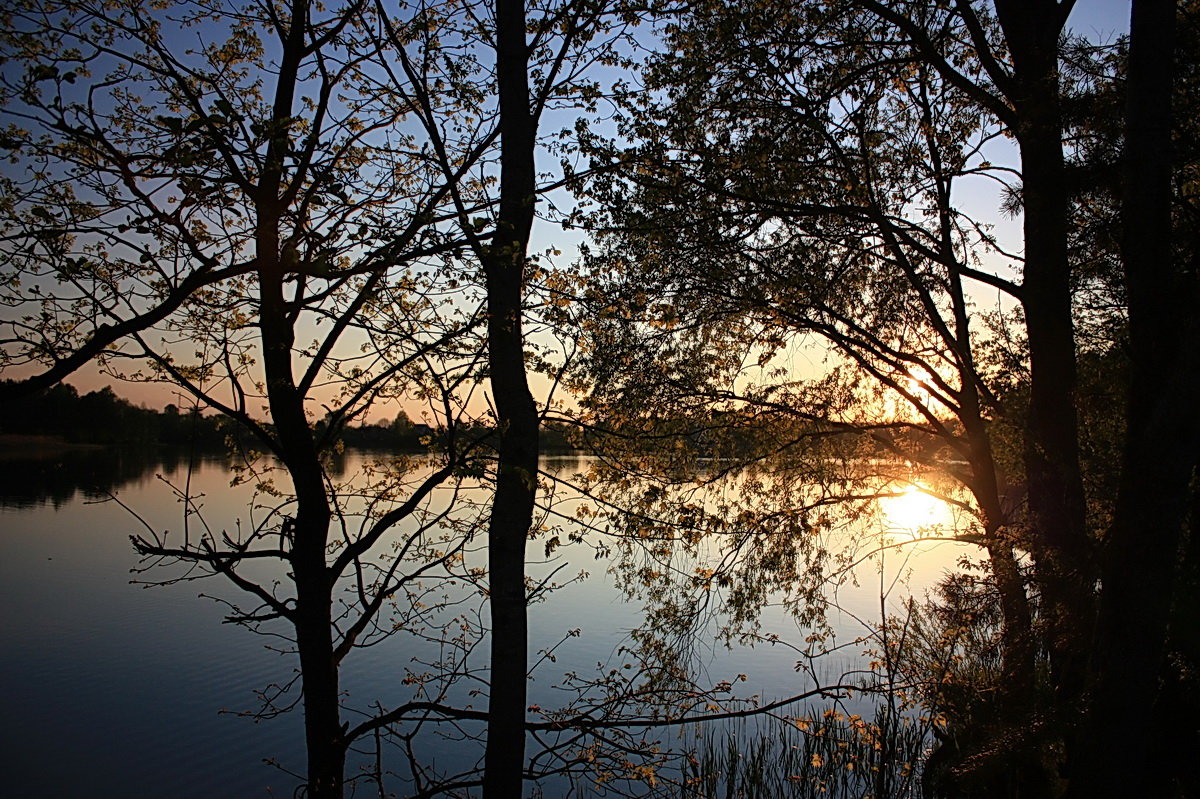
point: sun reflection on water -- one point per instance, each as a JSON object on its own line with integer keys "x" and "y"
{"x": 913, "y": 512}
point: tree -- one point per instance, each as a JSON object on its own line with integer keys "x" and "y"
{"x": 222, "y": 199}
{"x": 367, "y": 176}
{"x": 1142, "y": 548}
{"x": 305, "y": 167}
{"x": 553, "y": 44}
{"x": 803, "y": 183}
{"x": 401, "y": 425}
{"x": 816, "y": 236}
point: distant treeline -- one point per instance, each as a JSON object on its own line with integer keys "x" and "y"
{"x": 403, "y": 434}
{"x": 101, "y": 417}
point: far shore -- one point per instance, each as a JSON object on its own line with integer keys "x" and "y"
{"x": 17, "y": 445}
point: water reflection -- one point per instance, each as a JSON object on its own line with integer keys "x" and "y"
{"x": 36, "y": 475}
{"x": 123, "y": 684}
{"x": 78, "y": 635}
{"x": 913, "y": 511}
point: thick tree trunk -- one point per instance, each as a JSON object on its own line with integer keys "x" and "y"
{"x": 1060, "y": 540}
{"x": 1176, "y": 733}
{"x": 1142, "y": 549}
{"x": 310, "y": 527}
{"x": 310, "y": 530}
{"x": 516, "y": 484}
{"x": 1059, "y": 537}
{"x": 319, "y": 670}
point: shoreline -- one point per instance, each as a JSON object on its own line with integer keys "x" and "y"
{"x": 14, "y": 446}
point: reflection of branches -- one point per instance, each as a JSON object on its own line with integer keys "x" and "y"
{"x": 222, "y": 554}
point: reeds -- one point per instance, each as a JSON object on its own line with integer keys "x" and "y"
{"x": 825, "y": 753}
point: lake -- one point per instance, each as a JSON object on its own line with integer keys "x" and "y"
{"x": 113, "y": 688}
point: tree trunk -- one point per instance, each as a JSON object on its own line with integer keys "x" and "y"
{"x": 1060, "y": 542}
{"x": 310, "y": 527}
{"x": 319, "y": 670}
{"x": 1142, "y": 549}
{"x": 310, "y": 530}
{"x": 1177, "y": 706}
{"x": 1019, "y": 650}
{"x": 516, "y": 482}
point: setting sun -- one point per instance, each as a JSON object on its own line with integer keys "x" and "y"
{"x": 913, "y": 511}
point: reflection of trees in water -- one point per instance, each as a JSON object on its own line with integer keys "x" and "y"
{"x": 707, "y": 547}
{"x": 29, "y": 480}
{"x": 605, "y": 714}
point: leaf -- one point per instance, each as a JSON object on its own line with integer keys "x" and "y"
{"x": 41, "y": 72}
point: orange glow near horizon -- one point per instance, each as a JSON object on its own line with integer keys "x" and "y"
{"x": 157, "y": 396}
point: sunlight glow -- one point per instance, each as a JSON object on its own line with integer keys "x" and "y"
{"x": 913, "y": 512}
{"x": 917, "y": 383}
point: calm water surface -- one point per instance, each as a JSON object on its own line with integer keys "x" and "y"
{"x": 115, "y": 689}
